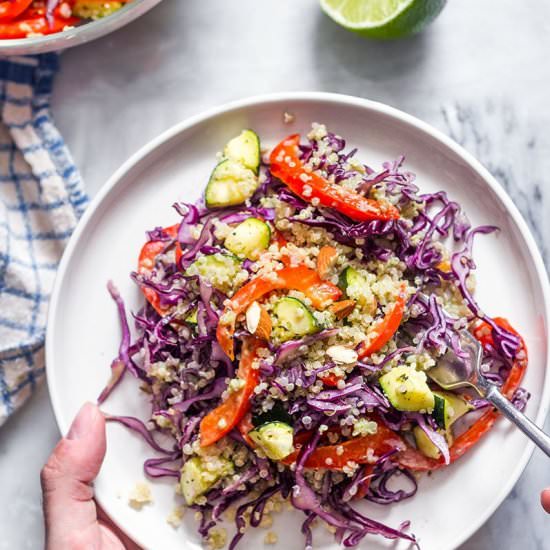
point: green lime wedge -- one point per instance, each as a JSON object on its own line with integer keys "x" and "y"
{"x": 383, "y": 18}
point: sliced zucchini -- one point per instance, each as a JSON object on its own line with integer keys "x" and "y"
{"x": 407, "y": 389}
{"x": 192, "y": 317}
{"x": 198, "y": 476}
{"x": 231, "y": 183}
{"x": 276, "y": 414}
{"x": 292, "y": 318}
{"x": 92, "y": 9}
{"x": 439, "y": 412}
{"x": 348, "y": 277}
{"x": 245, "y": 149}
{"x": 217, "y": 269}
{"x": 424, "y": 443}
{"x": 275, "y": 439}
{"x": 355, "y": 286}
{"x": 449, "y": 408}
{"x": 249, "y": 239}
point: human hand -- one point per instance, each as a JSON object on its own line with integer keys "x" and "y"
{"x": 73, "y": 520}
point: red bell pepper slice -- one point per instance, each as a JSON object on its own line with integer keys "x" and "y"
{"x": 279, "y": 239}
{"x": 146, "y": 262}
{"x": 386, "y": 328}
{"x": 287, "y": 166}
{"x": 359, "y": 450}
{"x": 414, "y": 460}
{"x": 40, "y": 10}
{"x": 331, "y": 379}
{"x": 300, "y": 278}
{"x": 22, "y": 28}
{"x": 11, "y": 9}
{"x": 245, "y": 426}
{"x": 225, "y": 417}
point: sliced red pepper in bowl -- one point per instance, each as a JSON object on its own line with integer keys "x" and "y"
{"x": 360, "y": 450}
{"x": 11, "y": 9}
{"x": 331, "y": 379}
{"x": 386, "y": 328}
{"x": 221, "y": 420}
{"x": 40, "y": 10}
{"x": 146, "y": 262}
{"x": 22, "y": 28}
{"x": 279, "y": 239}
{"x": 286, "y": 165}
{"x": 301, "y": 278}
{"x": 245, "y": 426}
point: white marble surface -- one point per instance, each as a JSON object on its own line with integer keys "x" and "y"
{"x": 480, "y": 73}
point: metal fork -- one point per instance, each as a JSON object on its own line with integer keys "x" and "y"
{"x": 453, "y": 372}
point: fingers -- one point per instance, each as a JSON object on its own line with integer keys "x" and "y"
{"x": 545, "y": 500}
{"x": 75, "y": 462}
{"x": 110, "y": 529}
{"x": 111, "y": 541}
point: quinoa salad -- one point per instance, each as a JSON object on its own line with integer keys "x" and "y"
{"x": 31, "y": 18}
{"x": 290, "y": 324}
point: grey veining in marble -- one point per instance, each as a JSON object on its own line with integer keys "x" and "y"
{"x": 480, "y": 74}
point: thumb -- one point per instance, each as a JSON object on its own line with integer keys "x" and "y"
{"x": 66, "y": 478}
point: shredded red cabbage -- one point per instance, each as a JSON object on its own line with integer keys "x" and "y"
{"x": 139, "y": 427}
{"x": 378, "y": 488}
{"x": 292, "y": 348}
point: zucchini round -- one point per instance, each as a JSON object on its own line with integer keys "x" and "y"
{"x": 449, "y": 408}
{"x": 355, "y": 286}
{"x": 249, "y": 239}
{"x": 292, "y": 318}
{"x": 245, "y": 149}
{"x": 274, "y": 438}
{"x": 230, "y": 184}
{"x": 407, "y": 389}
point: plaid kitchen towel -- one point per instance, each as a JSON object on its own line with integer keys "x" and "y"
{"x": 41, "y": 198}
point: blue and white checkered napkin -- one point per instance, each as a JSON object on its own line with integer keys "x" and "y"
{"x": 41, "y": 198}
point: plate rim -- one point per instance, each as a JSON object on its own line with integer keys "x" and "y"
{"x": 334, "y": 98}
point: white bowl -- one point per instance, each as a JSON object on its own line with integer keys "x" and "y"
{"x": 77, "y": 35}
{"x": 83, "y": 331}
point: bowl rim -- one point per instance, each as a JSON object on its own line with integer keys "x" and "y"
{"x": 77, "y": 35}
{"x": 337, "y": 99}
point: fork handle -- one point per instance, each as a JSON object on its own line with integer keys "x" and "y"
{"x": 529, "y": 428}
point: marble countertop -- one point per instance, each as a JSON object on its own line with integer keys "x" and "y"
{"x": 480, "y": 74}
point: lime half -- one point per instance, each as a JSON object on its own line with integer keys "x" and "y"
{"x": 383, "y": 18}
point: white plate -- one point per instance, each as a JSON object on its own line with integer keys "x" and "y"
{"x": 83, "y": 330}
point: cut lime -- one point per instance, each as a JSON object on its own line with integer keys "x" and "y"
{"x": 383, "y": 18}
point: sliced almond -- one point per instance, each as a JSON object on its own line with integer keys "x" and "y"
{"x": 252, "y": 317}
{"x": 258, "y": 321}
{"x": 264, "y": 326}
{"x": 342, "y": 309}
{"x": 343, "y": 355}
{"x": 326, "y": 260}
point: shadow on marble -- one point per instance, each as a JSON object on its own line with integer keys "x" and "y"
{"x": 26, "y": 440}
{"x": 342, "y": 57}
{"x": 123, "y": 58}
